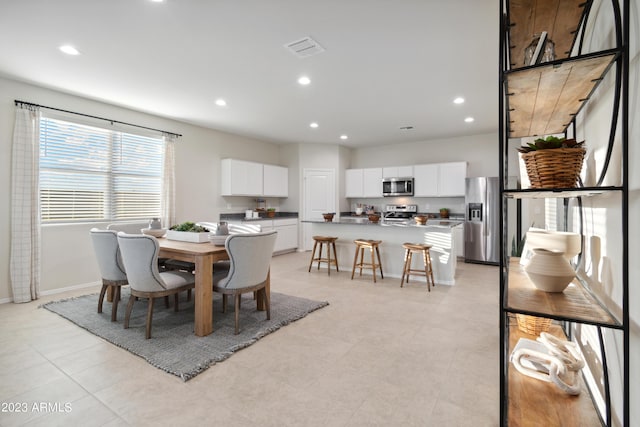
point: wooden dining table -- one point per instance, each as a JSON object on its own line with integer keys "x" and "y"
{"x": 204, "y": 256}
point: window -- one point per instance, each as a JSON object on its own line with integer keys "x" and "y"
{"x": 92, "y": 174}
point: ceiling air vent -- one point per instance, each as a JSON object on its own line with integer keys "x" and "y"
{"x": 305, "y": 47}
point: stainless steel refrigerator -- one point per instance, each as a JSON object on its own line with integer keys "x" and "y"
{"x": 482, "y": 220}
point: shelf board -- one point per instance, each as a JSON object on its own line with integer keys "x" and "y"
{"x": 534, "y": 402}
{"x": 544, "y": 99}
{"x": 574, "y": 304}
{"x": 559, "y": 18}
{"x": 537, "y": 193}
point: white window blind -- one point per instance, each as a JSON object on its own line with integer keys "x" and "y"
{"x": 93, "y": 174}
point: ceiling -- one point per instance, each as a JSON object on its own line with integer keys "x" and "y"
{"x": 387, "y": 64}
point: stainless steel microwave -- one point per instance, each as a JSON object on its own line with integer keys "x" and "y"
{"x": 397, "y": 187}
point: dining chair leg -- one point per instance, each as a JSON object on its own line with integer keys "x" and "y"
{"x": 175, "y": 302}
{"x": 127, "y": 315}
{"x": 166, "y": 301}
{"x": 101, "y": 297}
{"x": 114, "y": 304}
{"x": 237, "y": 312}
{"x": 224, "y": 303}
{"x": 267, "y": 302}
{"x": 147, "y": 334}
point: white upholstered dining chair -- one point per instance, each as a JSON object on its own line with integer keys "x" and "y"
{"x": 249, "y": 263}
{"x": 105, "y": 246}
{"x": 140, "y": 259}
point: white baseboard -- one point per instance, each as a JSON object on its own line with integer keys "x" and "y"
{"x": 59, "y": 290}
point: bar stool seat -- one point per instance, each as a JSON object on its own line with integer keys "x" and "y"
{"x": 372, "y": 245}
{"x": 410, "y": 249}
{"x": 331, "y": 243}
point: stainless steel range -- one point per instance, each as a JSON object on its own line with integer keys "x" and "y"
{"x": 399, "y": 212}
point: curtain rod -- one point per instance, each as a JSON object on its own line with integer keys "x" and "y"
{"x": 94, "y": 117}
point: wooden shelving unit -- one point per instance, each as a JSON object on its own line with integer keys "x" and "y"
{"x": 535, "y": 403}
{"x": 540, "y": 100}
{"x": 576, "y": 303}
{"x": 544, "y": 99}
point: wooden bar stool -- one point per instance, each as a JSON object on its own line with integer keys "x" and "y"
{"x": 331, "y": 242}
{"x": 410, "y": 248}
{"x": 361, "y": 245}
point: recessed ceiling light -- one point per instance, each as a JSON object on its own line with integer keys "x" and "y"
{"x": 469, "y": 119}
{"x": 458, "y": 100}
{"x": 304, "y": 80}
{"x": 69, "y": 50}
{"x": 221, "y": 102}
{"x": 344, "y": 137}
{"x": 406, "y": 128}
{"x": 313, "y": 125}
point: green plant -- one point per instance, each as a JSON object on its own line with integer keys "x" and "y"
{"x": 189, "y": 227}
{"x": 550, "y": 143}
{"x": 271, "y": 209}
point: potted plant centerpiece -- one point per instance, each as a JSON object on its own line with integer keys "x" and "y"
{"x": 271, "y": 212}
{"x": 188, "y": 232}
{"x": 553, "y": 162}
{"x": 444, "y": 213}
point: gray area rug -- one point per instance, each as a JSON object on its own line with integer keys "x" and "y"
{"x": 173, "y": 347}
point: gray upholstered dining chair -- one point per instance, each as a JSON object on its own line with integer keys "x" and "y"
{"x": 249, "y": 263}
{"x": 105, "y": 246}
{"x": 140, "y": 259}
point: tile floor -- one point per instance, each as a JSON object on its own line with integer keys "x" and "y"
{"x": 378, "y": 355}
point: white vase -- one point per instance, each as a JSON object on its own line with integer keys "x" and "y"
{"x": 549, "y": 270}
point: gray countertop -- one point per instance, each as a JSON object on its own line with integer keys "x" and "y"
{"x": 437, "y": 223}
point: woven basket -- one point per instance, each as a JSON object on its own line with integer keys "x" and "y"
{"x": 532, "y": 325}
{"x": 554, "y": 168}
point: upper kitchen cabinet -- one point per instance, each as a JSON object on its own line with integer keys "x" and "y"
{"x": 243, "y": 178}
{"x": 440, "y": 179}
{"x": 276, "y": 181}
{"x": 363, "y": 182}
{"x": 397, "y": 172}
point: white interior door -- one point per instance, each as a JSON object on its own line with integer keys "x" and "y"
{"x": 319, "y": 195}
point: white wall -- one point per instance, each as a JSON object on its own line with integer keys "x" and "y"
{"x": 67, "y": 256}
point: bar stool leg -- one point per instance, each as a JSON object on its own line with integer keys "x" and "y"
{"x": 328, "y": 259}
{"x": 379, "y": 262}
{"x": 425, "y": 260}
{"x": 404, "y": 267}
{"x": 361, "y": 258}
{"x": 433, "y": 282}
{"x": 373, "y": 263}
{"x": 335, "y": 256}
{"x": 313, "y": 254}
{"x": 355, "y": 262}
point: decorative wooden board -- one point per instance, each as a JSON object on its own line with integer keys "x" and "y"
{"x": 543, "y": 100}
{"x": 534, "y": 403}
{"x": 575, "y": 303}
{"x": 559, "y": 18}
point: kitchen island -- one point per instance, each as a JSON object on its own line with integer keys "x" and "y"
{"x": 438, "y": 233}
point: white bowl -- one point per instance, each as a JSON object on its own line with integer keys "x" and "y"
{"x": 218, "y": 240}
{"x": 568, "y": 243}
{"x": 155, "y": 232}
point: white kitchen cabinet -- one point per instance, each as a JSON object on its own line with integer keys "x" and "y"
{"x": 425, "y": 180}
{"x": 451, "y": 179}
{"x": 275, "y": 181}
{"x": 241, "y": 178}
{"x": 440, "y": 179}
{"x": 287, "y": 234}
{"x": 397, "y": 172}
{"x": 353, "y": 183}
{"x": 372, "y": 182}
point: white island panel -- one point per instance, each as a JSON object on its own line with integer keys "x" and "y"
{"x": 391, "y": 251}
